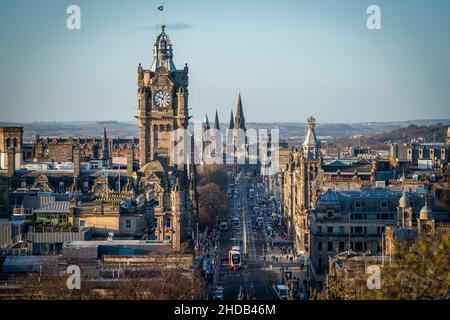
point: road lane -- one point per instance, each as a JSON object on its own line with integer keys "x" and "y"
{"x": 254, "y": 280}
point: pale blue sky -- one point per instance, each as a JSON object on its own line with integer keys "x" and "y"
{"x": 289, "y": 59}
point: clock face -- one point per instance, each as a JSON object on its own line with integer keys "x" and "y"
{"x": 162, "y": 99}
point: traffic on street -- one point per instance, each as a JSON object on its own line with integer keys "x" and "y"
{"x": 249, "y": 255}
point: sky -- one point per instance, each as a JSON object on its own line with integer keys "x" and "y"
{"x": 289, "y": 59}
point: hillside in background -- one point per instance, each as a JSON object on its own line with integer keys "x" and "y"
{"x": 372, "y": 133}
{"x": 433, "y": 133}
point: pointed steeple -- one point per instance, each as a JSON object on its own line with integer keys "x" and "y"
{"x": 240, "y": 120}
{"x": 206, "y": 122}
{"x": 216, "y": 121}
{"x": 231, "y": 127}
{"x": 105, "y": 145}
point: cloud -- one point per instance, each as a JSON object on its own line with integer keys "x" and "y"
{"x": 169, "y": 26}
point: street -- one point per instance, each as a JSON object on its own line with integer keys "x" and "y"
{"x": 262, "y": 265}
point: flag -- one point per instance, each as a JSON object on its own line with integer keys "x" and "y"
{"x": 161, "y": 8}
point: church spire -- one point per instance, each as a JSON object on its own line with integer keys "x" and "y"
{"x": 240, "y": 120}
{"x": 206, "y": 122}
{"x": 231, "y": 127}
{"x": 216, "y": 121}
{"x": 105, "y": 146}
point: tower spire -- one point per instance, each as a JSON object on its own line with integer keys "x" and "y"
{"x": 206, "y": 122}
{"x": 240, "y": 120}
{"x": 216, "y": 121}
{"x": 105, "y": 146}
{"x": 231, "y": 127}
{"x": 163, "y": 52}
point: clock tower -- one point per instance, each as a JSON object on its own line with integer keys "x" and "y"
{"x": 162, "y": 101}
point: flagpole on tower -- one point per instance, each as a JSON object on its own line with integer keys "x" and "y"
{"x": 161, "y": 8}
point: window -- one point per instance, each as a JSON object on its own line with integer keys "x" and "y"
{"x": 61, "y": 187}
{"x": 168, "y": 222}
{"x": 128, "y": 224}
{"x": 168, "y": 237}
{"x": 86, "y": 186}
{"x": 384, "y": 204}
{"x": 330, "y": 246}
{"x": 319, "y": 229}
{"x": 358, "y": 246}
{"x": 357, "y": 204}
{"x": 330, "y": 230}
{"x": 319, "y": 246}
{"x": 330, "y": 214}
{"x": 341, "y": 246}
{"x": 341, "y": 229}
{"x": 82, "y": 223}
{"x": 358, "y": 230}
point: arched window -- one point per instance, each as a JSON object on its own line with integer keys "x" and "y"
{"x": 16, "y": 145}
{"x": 8, "y": 143}
{"x": 162, "y": 128}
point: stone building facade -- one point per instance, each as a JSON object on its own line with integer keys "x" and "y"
{"x": 356, "y": 221}
{"x": 162, "y": 109}
{"x": 11, "y": 138}
{"x": 301, "y": 186}
{"x": 155, "y": 200}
